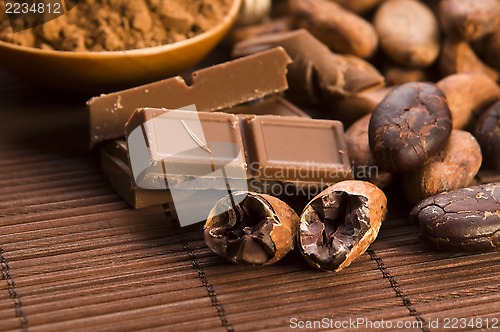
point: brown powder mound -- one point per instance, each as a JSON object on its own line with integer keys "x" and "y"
{"x": 114, "y": 25}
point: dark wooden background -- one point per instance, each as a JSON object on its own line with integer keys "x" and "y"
{"x": 75, "y": 257}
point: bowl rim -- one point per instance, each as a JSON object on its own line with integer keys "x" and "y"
{"x": 228, "y": 18}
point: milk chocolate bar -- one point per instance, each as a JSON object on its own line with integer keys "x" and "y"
{"x": 116, "y": 167}
{"x": 213, "y": 88}
{"x": 114, "y": 163}
{"x": 180, "y": 146}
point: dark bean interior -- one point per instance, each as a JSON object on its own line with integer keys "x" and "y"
{"x": 243, "y": 231}
{"x": 345, "y": 219}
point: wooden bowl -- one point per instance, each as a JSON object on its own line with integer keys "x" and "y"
{"x": 112, "y": 70}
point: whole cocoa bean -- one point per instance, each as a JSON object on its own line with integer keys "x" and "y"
{"x": 458, "y": 57}
{"x": 358, "y": 6}
{"x": 396, "y": 75}
{"x": 356, "y": 105}
{"x": 246, "y": 32}
{"x": 341, "y": 30}
{"x": 339, "y": 224}
{"x": 408, "y": 32}
{"x": 469, "y": 19}
{"x": 468, "y": 94}
{"x": 488, "y": 134}
{"x": 467, "y": 219}
{"x": 363, "y": 163}
{"x": 409, "y": 126}
{"x": 452, "y": 168}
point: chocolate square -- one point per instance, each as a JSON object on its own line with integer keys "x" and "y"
{"x": 297, "y": 149}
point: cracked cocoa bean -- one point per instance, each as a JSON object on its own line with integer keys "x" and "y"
{"x": 409, "y": 126}
{"x": 339, "y": 224}
{"x": 251, "y": 229}
{"x": 488, "y": 134}
{"x": 452, "y": 168}
{"x": 467, "y": 219}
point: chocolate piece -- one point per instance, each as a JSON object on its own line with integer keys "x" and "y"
{"x": 410, "y": 125}
{"x": 341, "y": 30}
{"x": 258, "y": 230}
{"x": 339, "y": 224}
{"x": 316, "y": 75}
{"x": 488, "y": 134}
{"x": 461, "y": 220}
{"x": 293, "y": 149}
{"x": 179, "y": 145}
{"x": 274, "y": 105}
{"x": 115, "y": 162}
{"x": 452, "y": 168}
{"x": 213, "y": 88}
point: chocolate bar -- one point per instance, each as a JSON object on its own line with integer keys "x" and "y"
{"x": 214, "y": 88}
{"x": 274, "y": 105}
{"x": 116, "y": 167}
{"x": 316, "y": 75}
{"x": 172, "y": 148}
{"x": 114, "y": 163}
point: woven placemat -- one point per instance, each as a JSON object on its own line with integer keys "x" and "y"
{"x": 75, "y": 257}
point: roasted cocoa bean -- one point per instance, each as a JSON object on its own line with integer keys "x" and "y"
{"x": 316, "y": 75}
{"x": 277, "y": 25}
{"x": 468, "y": 94}
{"x": 359, "y": 6}
{"x": 251, "y": 229}
{"x": 458, "y": 57}
{"x": 339, "y": 224}
{"x": 396, "y": 75}
{"x": 469, "y": 19}
{"x": 467, "y": 219}
{"x": 409, "y": 126}
{"x": 452, "y": 168}
{"x": 363, "y": 163}
{"x": 356, "y": 105}
{"x": 488, "y": 134}
{"x": 408, "y": 32}
{"x": 341, "y": 30}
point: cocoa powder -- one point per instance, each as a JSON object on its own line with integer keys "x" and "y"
{"x": 114, "y": 25}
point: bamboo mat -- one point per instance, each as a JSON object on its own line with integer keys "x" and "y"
{"x": 75, "y": 257}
